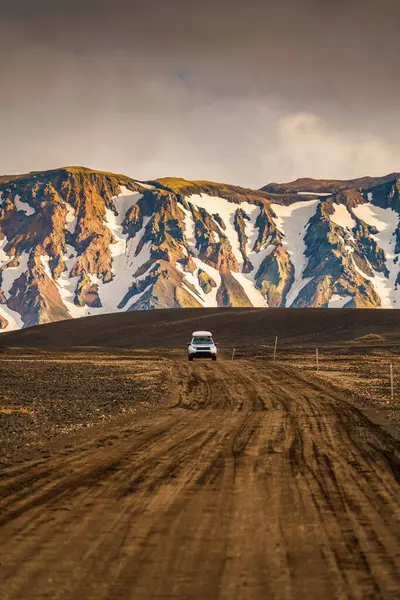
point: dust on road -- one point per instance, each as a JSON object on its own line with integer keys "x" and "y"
{"x": 251, "y": 483}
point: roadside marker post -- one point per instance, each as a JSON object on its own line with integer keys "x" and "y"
{"x": 275, "y": 347}
{"x": 317, "y": 357}
{"x": 391, "y": 382}
{"x": 233, "y": 353}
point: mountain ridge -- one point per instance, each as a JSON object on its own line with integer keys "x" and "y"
{"x": 330, "y": 186}
{"x": 76, "y": 241}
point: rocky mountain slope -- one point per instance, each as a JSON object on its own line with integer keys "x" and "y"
{"x": 77, "y": 242}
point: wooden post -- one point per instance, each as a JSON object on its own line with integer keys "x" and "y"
{"x": 233, "y": 353}
{"x": 391, "y": 382}
{"x": 275, "y": 347}
{"x": 317, "y": 357}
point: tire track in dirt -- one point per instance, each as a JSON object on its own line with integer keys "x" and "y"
{"x": 252, "y": 484}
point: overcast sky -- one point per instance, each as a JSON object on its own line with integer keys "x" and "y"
{"x": 244, "y": 92}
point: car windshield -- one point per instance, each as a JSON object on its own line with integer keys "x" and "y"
{"x": 201, "y": 340}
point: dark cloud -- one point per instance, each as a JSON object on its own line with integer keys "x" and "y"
{"x": 249, "y": 91}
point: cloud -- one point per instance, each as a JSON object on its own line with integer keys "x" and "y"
{"x": 219, "y": 90}
{"x": 304, "y": 144}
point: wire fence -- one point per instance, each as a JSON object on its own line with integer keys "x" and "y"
{"x": 369, "y": 374}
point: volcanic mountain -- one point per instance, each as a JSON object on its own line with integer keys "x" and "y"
{"x": 77, "y": 242}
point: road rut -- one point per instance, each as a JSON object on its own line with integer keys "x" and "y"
{"x": 253, "y": 483}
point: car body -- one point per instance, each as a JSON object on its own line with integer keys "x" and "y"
{"x": 202, "y": 346}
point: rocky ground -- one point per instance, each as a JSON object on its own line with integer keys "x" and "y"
{"x": 242, "y": 479}
{"x": 47, "y": 396}
{"x": 365, "y": 380}
{"x": 364, "y": 377}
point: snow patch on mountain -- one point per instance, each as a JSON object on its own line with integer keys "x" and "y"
{"x": 189, "y": 229}
{"x": 137, "y": 297}
{"x": 385, "y": 221}
{"x": 338, "y": 301}
{"x": 124, "y": 201}
{"x": 13, "y": 318}
{"x": 314, "y": 194}
{"x": 380, "y": 284}
{"x": 227, "y": 211}
{"x": 113, "y": 221}
{"x": 45, "y": 264}
{"x": 195, "y": 290}
{"x": 146, "y": 186}
{"x": 251, "y": 230}
{"x": 125, "y": 264}
{"x": 342, "y": 216}
{"x": 24, "y": 206}
{"x": 66, "y": 284}
{"x": 71, "y": 219}
{"x": 211, "y": 297}
{"x": 254, "y": 295}
{"x": 11, "y": 274}
{"x": 4, "y": 257}
{"x": 256, "y": 258}
{"x": 292, "y": 221}
{"x": 207, "y": 300}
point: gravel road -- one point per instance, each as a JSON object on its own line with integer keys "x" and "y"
{"x": 249, "y": 482}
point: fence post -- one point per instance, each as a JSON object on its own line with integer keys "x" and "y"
{"x": 233, "y": 353}
{"x": 391, "y": 382}
{"x": 317, "y": 357}
{"x": 275, "y": 347}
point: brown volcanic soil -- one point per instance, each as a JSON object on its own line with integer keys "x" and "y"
{"x": 44, "y": 396}
{"x": 241, "y": 479}
{"x": 230, "y": 326}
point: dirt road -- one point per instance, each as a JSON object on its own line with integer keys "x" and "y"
{"x": 251, "y": 483}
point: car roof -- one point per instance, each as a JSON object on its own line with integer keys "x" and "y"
{"x": 201, "y": 334}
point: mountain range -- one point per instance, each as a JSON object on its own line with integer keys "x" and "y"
{"x": 76, "y": 242}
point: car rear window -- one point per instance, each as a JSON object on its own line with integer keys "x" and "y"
{"x": 202, "y": 340}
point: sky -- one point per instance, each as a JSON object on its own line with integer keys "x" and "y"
{"x": 241, "y": 92}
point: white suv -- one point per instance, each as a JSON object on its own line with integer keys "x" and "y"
{"x": 202, "y": 346}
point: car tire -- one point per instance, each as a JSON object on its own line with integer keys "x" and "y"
{"x": 214, "y": 357}
{"x": 190, "y": 357}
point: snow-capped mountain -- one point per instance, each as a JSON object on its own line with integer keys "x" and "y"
{"x": 76, "y": 242}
